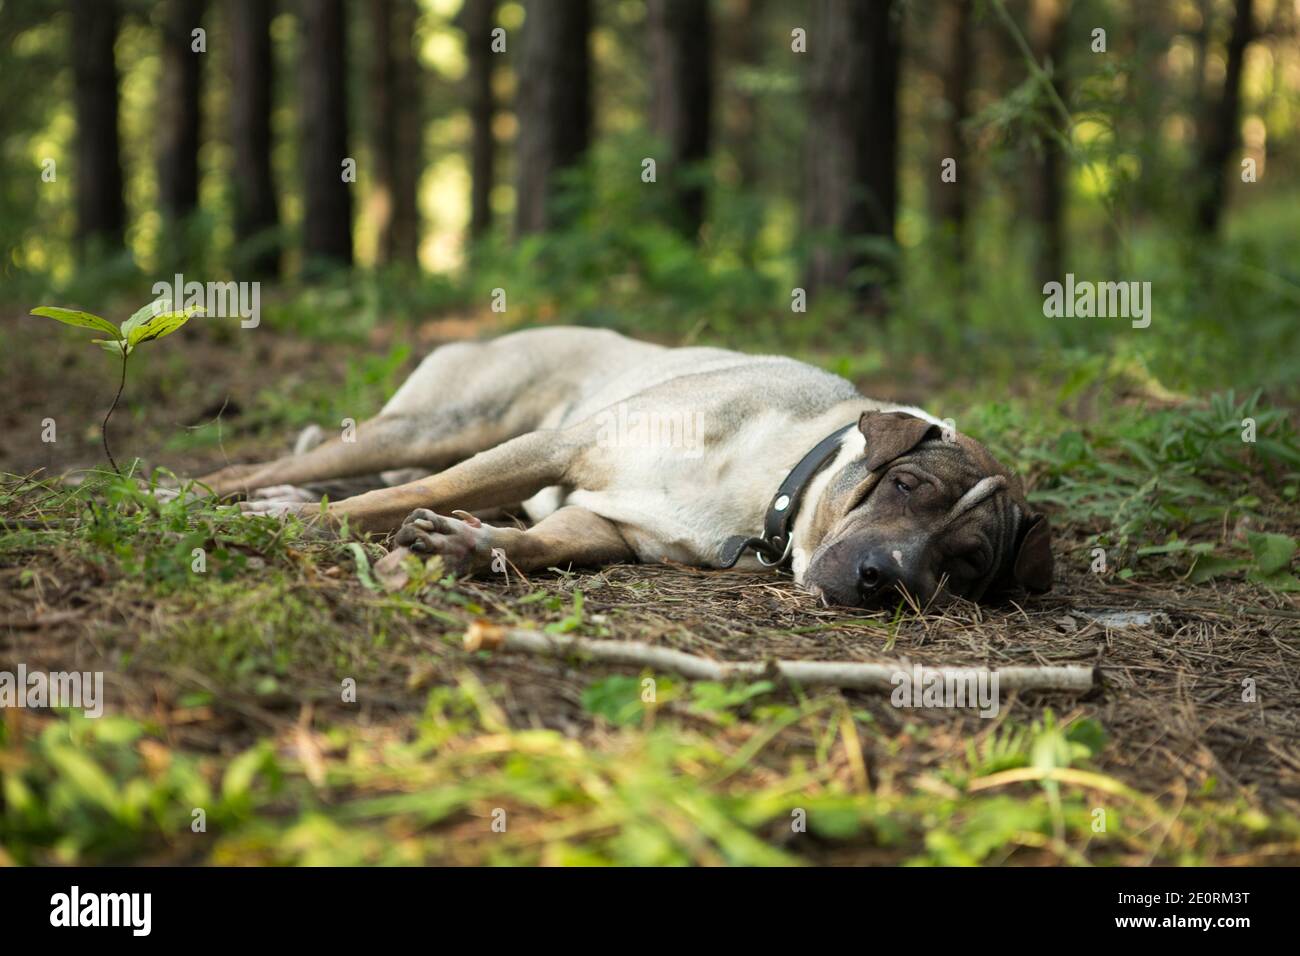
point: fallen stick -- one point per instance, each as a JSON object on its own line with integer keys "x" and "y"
{"x": 857, "y": 676}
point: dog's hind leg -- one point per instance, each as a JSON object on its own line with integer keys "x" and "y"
{"x": 502, "y": 475}
{"x": 385, "y": 443}
{"x": 376, "y": 445}
{"x": 464, "y": 397}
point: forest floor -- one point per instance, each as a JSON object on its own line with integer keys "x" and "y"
{"x": 224, "y": 689}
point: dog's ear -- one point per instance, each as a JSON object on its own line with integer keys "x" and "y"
{"x": 1033, "y": 566}
{"x": 891, "y": 434}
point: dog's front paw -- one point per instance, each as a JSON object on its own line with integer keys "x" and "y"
{"x": 465, "y": 545}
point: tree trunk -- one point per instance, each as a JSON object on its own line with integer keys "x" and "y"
{"x": 1221, "y": 126}
{"x": 1201, "y": 56}
{"x": 1049, "y": 22}
{"x": 327, "y": 198}
{"x": 397, "y": 142}
{"x": 1147, "y": 99}
{"x": 477, "y": 19}
{"x": 681, "y": 101}
{"x": 101, "y": 215}
{"x": 852, "y": 159}
{"x": 949, "y": 200}
{"x": 554, "y": 107}
{"x": 179, "y": 114}
{"x": 741, "y": 50}
{"x": 744, "y": 51}
{"x": 257, "y": 217}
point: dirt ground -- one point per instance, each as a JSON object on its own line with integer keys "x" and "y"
{"x": 1171, "y": 695}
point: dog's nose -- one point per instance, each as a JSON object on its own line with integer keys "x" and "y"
{"x": 876, "y": 573}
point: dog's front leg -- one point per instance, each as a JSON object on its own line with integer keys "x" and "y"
{"x": 571, "y": 535}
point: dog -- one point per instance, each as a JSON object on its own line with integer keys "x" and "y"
{"x": 619, "y": 450}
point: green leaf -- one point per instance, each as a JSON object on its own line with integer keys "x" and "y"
{"x": 711, "y": 696}
{"x": 243, "y": 770}
{"x": 85, "y": 320}
{"x": 1050, "y": 750}
{"x": 85, "y": 777}
{"x": 1169, "y": 547}
{"x": 1089, "y": 734}
{"x": 1212, "y": 565}
{"x": 1278, "y": 581}
{"x": 616, "y": 698}
{"x": 141, "y": 316}
{"x": 570, "y": 623}
{"x": 363, "y": 566}
{"x": 1273, "y": 552}
{"x": 163, "y": 324}
{"x": 836, "y": 819}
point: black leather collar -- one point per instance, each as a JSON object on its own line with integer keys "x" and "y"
{"x": 773, "y": 548}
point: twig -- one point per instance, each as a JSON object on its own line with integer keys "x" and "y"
{"x": 851, "y": 674}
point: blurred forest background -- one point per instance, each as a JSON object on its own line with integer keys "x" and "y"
{"x": 796, "y": 145}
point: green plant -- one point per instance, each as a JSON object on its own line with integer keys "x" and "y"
{"x": 153, "y": 321}
{"x": 1269, "y": 562}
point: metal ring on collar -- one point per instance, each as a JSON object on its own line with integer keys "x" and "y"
{"x": 789, "y": 545}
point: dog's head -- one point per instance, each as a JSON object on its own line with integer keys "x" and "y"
{"x": 931, "y": 514}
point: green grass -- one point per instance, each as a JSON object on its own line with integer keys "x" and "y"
{"x": 1151, "y": 481}
{"x": 706, "y": 773}
{"x": 113, "y": 789}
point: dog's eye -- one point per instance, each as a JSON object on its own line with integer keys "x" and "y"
{"x": 903, "y": 487}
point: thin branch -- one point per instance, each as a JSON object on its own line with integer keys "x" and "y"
{"x": 850, "y": 674}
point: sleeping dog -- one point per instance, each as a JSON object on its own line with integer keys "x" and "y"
{"x": 619, "y": 450}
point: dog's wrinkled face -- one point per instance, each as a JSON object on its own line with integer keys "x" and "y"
{"x": 938, "y": 519}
